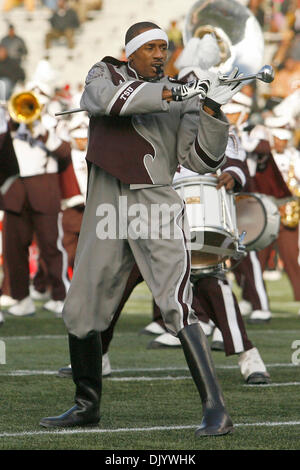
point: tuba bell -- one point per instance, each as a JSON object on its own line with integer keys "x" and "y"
{"x": 237, "y": 31}
{"x": 24, "y": 107}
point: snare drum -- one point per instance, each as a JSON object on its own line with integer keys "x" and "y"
{"x": 212, "y": 221}
{"x": 259, "y": 217}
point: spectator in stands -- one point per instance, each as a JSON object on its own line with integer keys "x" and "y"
{"x": 257, "y": 8}
{"x": 64, "y": 22}
{"x": 174, "y": 36}
{"x": 81, "y": 8}
{"x": 51, "y": 4}
{"x": 123, "y": 57}
{"x": 9, "y": 4}
{"x": 286, "y": 80}
{"x": 10, "y": 73}
{"x": 15, "y": 45}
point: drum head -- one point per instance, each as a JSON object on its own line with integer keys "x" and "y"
{"x": 201, "y": 260}
{"x": 251, "y": 217}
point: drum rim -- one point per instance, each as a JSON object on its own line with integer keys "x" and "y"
{"x": 196, "y": 179}
{"x": 265, "y": 214}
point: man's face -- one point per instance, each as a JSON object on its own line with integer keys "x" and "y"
{"x": 62, "y": 4}
{"x": 280, "y": 144}
{"x": 81, "y": 143}
{"x": 144, "y": 59}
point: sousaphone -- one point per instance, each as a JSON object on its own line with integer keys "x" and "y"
{"x": 238, "y": 33}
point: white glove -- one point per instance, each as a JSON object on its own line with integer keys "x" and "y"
{"x": 190, "y": 89}
{"x": 38, "y": 129}
{"x": 3, "y": 121}
{"x": 219, "y": 91}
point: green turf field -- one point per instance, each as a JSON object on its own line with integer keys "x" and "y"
{"x": 150, "y": 401}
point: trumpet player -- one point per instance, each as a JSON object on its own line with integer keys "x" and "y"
{"x": 31, "y": 198}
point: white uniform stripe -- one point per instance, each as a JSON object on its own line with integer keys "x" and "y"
{"x": 239, "y": 173}
{"x": 258, "y": 281}
{"x": 63, "y": 252}
{"x": 117, "y": 96}
{"x": 137, "y": 90}
{"x": 231, "y": 317}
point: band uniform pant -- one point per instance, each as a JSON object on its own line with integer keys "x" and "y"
{"x": 287, "y": 244}
{"x": 18, "y": 232}
{"x": 103, "y": 264}
{"x": 249, "y": 277}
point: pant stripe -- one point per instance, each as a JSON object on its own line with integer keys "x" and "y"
{"x": 234, "y": 328}
{"x": 184, "y": 307}
{"x": 258, "y": 281}
{"x": 60, "y": 247}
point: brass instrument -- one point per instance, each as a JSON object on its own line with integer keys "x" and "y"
{"x": 238, "y": 33}
{"x": 290, "y": 212}
{"x": 24, "y": 107}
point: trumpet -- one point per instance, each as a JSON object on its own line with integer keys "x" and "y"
{"x": 24, "y": 107}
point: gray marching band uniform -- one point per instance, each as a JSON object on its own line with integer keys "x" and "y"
{"x": 136, "y": 140}
{"x": 135, "y": 144}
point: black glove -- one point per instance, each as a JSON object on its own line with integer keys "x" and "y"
{"x": 190, "y": 89}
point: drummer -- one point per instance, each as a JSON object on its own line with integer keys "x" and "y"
{"x": 213, "y": 291}
{"x": 248, "y": 272}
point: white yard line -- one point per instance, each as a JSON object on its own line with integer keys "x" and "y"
{"x": 23, "y": 372}
{"x": 278, "y": 384}
{"x": 144, "y": 429}
{"x": 64, "y": 337}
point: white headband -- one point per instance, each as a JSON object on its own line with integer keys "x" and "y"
{"x": 146, "y": 36}
{"x": 281, "y": 134}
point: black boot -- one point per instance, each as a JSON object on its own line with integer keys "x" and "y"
{"x": 216, "y": 421}
{"x": 86, "y": 364}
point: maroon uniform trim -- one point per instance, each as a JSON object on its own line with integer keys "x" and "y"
{"x": 209, "y": 162}
{"x": 116, "y": 147}
{"x": 122, "y": 98}
{"x": 186, "y": 276}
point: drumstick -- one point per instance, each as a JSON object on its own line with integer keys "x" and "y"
{"x": 223, "y": 190}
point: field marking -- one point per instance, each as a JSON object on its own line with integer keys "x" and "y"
{"x": 24, "y": 373}
{"x": 278, "y": 384}
{"x": 146, "y": 429}
{"x": 65, "y": 337}
{"x": 24, "y": 338}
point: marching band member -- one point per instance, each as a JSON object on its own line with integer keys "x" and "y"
{"x": 31, "y": 201}
{"x": 9, "y": 167}
{"x": 278, "y": 175}
{"x": 72, "y": 182}
{"x": 135, "y": 109}
{"x": 73, "y": 207}
{"x": 272, "y": 165}
{"x": 214, "y": 302}
{"x": 248, "y": 272}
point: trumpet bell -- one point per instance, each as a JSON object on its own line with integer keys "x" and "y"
{"x": 238, "y": 33}
{"x": 24, "y": 107}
